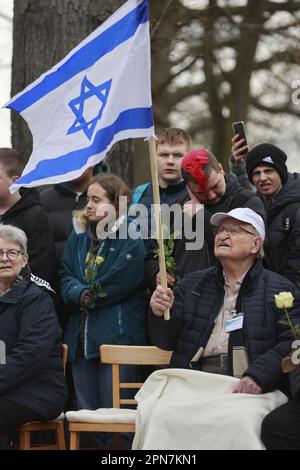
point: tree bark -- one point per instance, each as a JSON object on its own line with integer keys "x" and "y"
{"x": 251, "y": 29}
{"x": 44, "y": 31}
{"x": 212, "y": 82}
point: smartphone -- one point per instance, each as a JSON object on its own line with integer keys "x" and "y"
{"x": 239, "y": 128}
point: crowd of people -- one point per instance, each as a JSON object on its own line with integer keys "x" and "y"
{"x": 77, "y": 266}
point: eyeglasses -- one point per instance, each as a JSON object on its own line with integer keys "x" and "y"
{"x": 232, "y": 230}
{"x": 12, "y": 255}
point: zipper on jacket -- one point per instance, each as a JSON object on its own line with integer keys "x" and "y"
{"x": 120, "y": 319}
{"x": 240, "y": 303}
{"x": 85, "y": 337}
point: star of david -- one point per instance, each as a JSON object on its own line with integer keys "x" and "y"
{"x": 82, "y": 104}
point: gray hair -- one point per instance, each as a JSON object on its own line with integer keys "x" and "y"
{"x": 13, "y": 234}
{"x": 261, "y": 252}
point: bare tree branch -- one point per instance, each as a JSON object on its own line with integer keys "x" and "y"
{"x": 290, "y": 6}
{"x": 284, "y": 108}
{"x": 160, "y": 19}
{"x": 290, "y": 56}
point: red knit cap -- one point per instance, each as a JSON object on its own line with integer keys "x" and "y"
{"x": 192, "y": 164}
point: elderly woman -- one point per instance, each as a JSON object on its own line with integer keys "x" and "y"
{"x": 32, "y": 384}
{"x": 102, "y": 279}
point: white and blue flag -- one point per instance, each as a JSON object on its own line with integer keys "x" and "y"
{"x": 98, "y": 94}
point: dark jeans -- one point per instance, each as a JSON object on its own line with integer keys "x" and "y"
{"x": 281, "y": 428}
{"x": 12, "y": 415}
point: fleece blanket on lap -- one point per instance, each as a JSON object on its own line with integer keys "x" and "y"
{"x": 187, "y": 409}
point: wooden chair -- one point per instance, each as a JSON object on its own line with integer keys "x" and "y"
{"x": 116, "y": 356}
{"x": 56, "y": 425}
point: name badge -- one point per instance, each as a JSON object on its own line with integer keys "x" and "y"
{"x": 235, "y": 323}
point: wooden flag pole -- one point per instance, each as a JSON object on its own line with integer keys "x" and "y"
{"x": 157, "y": 215}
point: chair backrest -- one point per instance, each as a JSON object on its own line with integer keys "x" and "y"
{"x": 64, "y": 356}
{"x": 117, "y": 355}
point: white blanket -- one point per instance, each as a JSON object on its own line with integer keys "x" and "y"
{"x": 187, "y": 409}
{"x": 102, "y": 415}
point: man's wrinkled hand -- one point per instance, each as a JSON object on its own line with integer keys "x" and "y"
{"x": 161, "y": 300}
{"x": 247, "y": 385}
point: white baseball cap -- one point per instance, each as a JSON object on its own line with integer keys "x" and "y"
{"x": 244, "y": 214}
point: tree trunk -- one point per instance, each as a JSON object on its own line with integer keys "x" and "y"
{"x": 212, "y": 83}
{"x": 119, "y": 161}
{"x": 165, "y": 16}
{"x": 251, "y": 29}
{"x": 223, "y": 113}
{"x": 44, "y": 31}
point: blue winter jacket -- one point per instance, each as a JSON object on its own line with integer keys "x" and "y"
{"x": 119, "y": 318}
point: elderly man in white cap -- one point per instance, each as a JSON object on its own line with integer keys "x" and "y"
{"x": 224, "y": 319}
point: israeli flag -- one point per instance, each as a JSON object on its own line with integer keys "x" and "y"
{"x": 98, "y": 94}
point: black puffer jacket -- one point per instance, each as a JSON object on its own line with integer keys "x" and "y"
{"x": 198, "y": 299}
{"x": 59, "y": 202}
{"x": 29, "y": 215}
{"x": 283, "y": 247}
{"x": 33, "y": 373}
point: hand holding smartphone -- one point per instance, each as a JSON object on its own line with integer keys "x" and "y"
{"x": 239, "y": 128}
{"x": 239, "y": 149}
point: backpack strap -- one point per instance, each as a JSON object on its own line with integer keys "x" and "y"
{"x": 136, "y": 196}
{"x": 138, "y": 192}
{"x": 289, "y": 216}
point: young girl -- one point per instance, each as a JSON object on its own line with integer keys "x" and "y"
{"x": 102, "y": 279}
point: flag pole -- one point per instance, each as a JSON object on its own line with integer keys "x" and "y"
{"x": 157, "y": 215}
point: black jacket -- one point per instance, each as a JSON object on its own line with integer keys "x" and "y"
{"x": 28, "y": 215}
{"x": 59, "y": 202}
{"x": 32, "y": 375}
{"x": 190, "y": 260}
{"x": 198, "y": 299}
{"x": 282, "y": 246}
